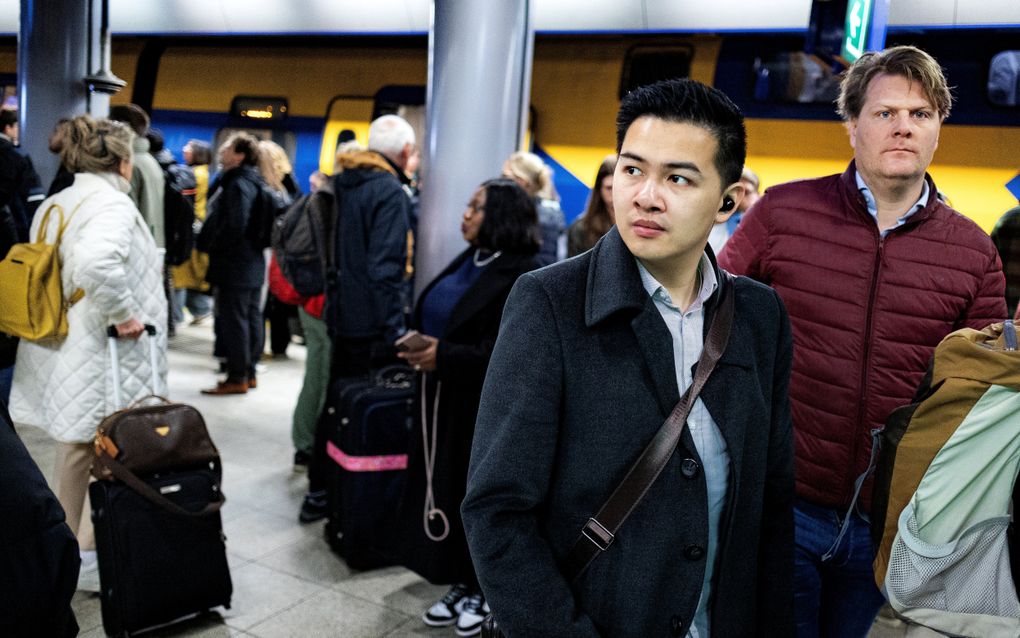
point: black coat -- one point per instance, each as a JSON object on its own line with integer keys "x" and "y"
{"x": 38, "y": 553}
{"x": 461, "y": 359}
{"x": 581, "y": 379}
{"x": 234, "y": 259}
{"x": 20, "y": 187}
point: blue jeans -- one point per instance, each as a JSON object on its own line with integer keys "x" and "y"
{"x": 834, "y": 596}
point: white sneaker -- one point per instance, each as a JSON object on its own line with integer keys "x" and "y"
{"x": 447, "y": 609}
{"x": 475, "y": 609}
{"x": 88, "y": 575}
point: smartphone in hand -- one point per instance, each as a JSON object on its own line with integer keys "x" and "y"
{"x": 411, "y": 340}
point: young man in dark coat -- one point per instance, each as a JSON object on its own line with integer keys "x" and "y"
{"x": 237, "y": 267}
{"x": 593, "y": 354}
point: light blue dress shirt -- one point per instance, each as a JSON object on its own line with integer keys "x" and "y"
{"x": 687, "y": 331}
{"x": 869, "y": 199}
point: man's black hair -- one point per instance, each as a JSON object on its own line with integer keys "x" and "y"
{"x": 8, "y": 117}
{"x": 156, "y": 142}
{"x": 511, "y": 219}
{"x": 687, "y": 101}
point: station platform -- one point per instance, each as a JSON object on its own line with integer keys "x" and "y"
{"x": 287, "y": 582}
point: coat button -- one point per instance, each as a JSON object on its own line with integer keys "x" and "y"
{"x": 676, "y": 626}
{"x": 689, "y": 468}
{"x": 694, "y": 552}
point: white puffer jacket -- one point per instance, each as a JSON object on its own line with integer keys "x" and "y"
{"x": 64, "y": 386}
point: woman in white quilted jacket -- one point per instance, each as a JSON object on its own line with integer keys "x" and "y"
{"x": 64, "y": 386}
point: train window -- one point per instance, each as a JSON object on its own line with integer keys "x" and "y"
{"x": 260, "y": 109}
{"x": 1004, "y": 79}
{"x": 796, "y": 77}
{"x": 645, "y": 65}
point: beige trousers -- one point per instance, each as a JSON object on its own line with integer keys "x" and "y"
{"x": 71, "y": 478}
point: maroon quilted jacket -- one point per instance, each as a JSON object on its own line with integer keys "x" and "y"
{"x": 866, "y": 312}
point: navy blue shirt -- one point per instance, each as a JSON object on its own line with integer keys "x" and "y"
{"x": 443, "y": 297}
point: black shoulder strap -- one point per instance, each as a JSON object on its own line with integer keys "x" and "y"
{"x": 600, "y": 530}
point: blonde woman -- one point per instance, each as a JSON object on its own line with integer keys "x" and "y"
{"x": 276, "y": 171}
{"x": 107, "y": 251}
{"x": 532, "y": 174}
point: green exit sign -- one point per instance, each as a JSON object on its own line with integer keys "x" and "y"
{"x": 858, "y": 19}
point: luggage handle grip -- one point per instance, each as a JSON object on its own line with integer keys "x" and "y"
{"x": 111, "y": 331}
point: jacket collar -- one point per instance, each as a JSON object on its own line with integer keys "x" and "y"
{"x": 854, "y": 200}
{"x": 614, "y": 282}
{"x": 614, "y": 286}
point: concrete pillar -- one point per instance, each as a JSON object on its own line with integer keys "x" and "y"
{"x": 479, "y": 87}
{"x": 59, "y": 45}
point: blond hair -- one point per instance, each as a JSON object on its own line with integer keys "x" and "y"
{"x": 95, "y": 146}
{"x": 530, "y": 169}
{"x": 906, "y": 61}
{"x": 273, "y": 164}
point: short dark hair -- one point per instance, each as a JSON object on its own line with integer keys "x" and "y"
{"x": 246, "y": 144}
{"x": 156, "y": 142}
{"x": 133, "y": 116}
{"x": 687, "y": 101}
{"x": 8, "y": 117}
{"x": 511, "y": 219}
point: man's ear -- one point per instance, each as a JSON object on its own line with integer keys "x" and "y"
{"x": 729, "y": 202}
{"x": 851, "y": 129}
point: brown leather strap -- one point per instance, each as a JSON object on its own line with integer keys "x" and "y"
{"x": 600, "y": 530}
{"x": 145, "y": 490}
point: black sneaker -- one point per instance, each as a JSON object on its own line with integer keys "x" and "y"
{"x": 472, "y": 614}
{"x": 314, "y": 507}
{"x": 447, "y": 609}
{"x": 301, "y": 460}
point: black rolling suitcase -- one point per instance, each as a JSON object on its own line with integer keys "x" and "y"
{"x": 368, "y": 453}
{"x": 159, "y": 536}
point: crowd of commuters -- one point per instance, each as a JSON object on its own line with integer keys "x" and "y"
{"x": 773, "y": 333}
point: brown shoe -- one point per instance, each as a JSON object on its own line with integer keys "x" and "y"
{"x": 253, "y": 383}
{"x": 228, "y": 387}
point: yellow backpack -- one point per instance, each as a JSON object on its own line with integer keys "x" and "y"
{"x": 33, "y": 304}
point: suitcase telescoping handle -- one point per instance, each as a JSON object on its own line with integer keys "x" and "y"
{"x": 111, "y": 333}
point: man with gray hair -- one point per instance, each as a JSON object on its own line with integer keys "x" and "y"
{"x": 367, "y": 228}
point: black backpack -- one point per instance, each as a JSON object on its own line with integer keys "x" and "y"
{"x": 179, "y": 213}
{"x": 297, "y": 240}
{"x": 269, "y": 205}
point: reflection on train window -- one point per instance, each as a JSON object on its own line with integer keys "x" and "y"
{"x": 796, "y": 77}
{"x": 1004, "y": 79}
{"x": 645, "y": 65}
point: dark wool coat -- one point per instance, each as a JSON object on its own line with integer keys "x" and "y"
{"x": 866, "y": 312}
{"x": 234, "y": 259}
{"x": 461, "y": 360}
{"x": 38, "y": 553}
{"x": 581, "y": 379}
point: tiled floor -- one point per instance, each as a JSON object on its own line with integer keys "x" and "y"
{"x": 286, "y": 580}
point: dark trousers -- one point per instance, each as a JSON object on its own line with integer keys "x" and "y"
{"x": 278, "y": 315}
{"x": 352, "y": 359}
{"x": 239, "y": 330}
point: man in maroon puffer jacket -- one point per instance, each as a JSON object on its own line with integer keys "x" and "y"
{"x": 874, "y": 271}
